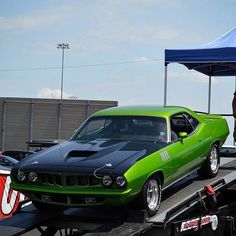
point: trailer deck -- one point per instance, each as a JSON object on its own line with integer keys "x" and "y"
{"x": 177, "y": 202}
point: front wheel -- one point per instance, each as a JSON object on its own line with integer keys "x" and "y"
{"x": 211, "y": 166}
{"x": 151, "y": 195}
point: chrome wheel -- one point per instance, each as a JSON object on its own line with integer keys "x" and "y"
{"x": 214, "y": 161}
{"x": 211, "y": 165}
{"x": 150, "y": 196}
{"x": 153, "y": 194}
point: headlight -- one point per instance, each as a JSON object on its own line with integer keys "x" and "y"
{"x": 107, "y": 181}
{"x": 33, "y": 177}
{"x": 21, "y": 176}
{"x": 121, "y": 182}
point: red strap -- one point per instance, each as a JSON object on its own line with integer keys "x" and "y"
{"x": 210, "y": 190}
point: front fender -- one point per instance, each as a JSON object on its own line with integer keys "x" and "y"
{"x": 139, "y": 173}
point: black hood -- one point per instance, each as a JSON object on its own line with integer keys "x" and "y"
{"x": 83, "y": 156}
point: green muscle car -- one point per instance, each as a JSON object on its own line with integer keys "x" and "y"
{"x": 123, "y": 154}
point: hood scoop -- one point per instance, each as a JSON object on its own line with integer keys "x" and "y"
{"x": 77, "y": 153}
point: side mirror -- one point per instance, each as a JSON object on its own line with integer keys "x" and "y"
{"x": 182, "y": 135}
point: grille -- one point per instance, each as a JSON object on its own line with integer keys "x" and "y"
{"x": 67, "y": 180}
{"x": 52, "y": 198}
{"x": 50, "y": 179}
{"x": 68, "y": 199}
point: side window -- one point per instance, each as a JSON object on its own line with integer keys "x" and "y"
{"x": 181, "y": 123}
{"x": 193, "y": 121}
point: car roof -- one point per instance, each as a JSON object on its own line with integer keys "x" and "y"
{"x": 161, "y": 111}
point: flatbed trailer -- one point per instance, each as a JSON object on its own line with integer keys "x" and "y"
{"x": 190, "y": 207}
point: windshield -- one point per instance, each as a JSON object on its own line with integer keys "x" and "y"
{"x": 128, "y": 128}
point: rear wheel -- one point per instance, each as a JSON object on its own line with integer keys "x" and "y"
{"x": 151, "y": 195}
{"x": 210, "y": 168}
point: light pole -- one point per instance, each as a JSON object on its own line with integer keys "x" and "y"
{"x": 62, "y": 46}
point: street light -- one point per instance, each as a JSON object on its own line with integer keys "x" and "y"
{"x": 62, "y": 46}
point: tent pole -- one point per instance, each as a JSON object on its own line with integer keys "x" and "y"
{"x": 235, "y": 83}
{"x": 165, "y": 85}
{"x": 209, "y": 95}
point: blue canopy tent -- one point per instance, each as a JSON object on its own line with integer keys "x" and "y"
{"x": 217, "y": 58}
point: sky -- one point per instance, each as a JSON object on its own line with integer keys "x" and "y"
{"x": 116, "y": 50}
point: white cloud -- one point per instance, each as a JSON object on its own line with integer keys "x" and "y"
{"x": 149, "y": 3}
{"x": 28, "y": 22}
{"x": 40, "y": 18}
{"x": 144, "y": 60}
{"x": 53, "y": 93}
{"x": 205, "y": 79}
{"x": 106, "y": 29}
{"x": 192, "y": 75}
{"x": 111, "y": 27}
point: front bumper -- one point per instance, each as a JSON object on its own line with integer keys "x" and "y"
{"x": 72, "y": 196}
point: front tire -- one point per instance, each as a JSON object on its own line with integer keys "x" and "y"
{"x": 211, "y": 166}
{"x": 151, "y": 195}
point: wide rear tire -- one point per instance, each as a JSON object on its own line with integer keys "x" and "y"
{"x": 211, "y": 166}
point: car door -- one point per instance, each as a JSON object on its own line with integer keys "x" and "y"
{"x": 187, "y": 152}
